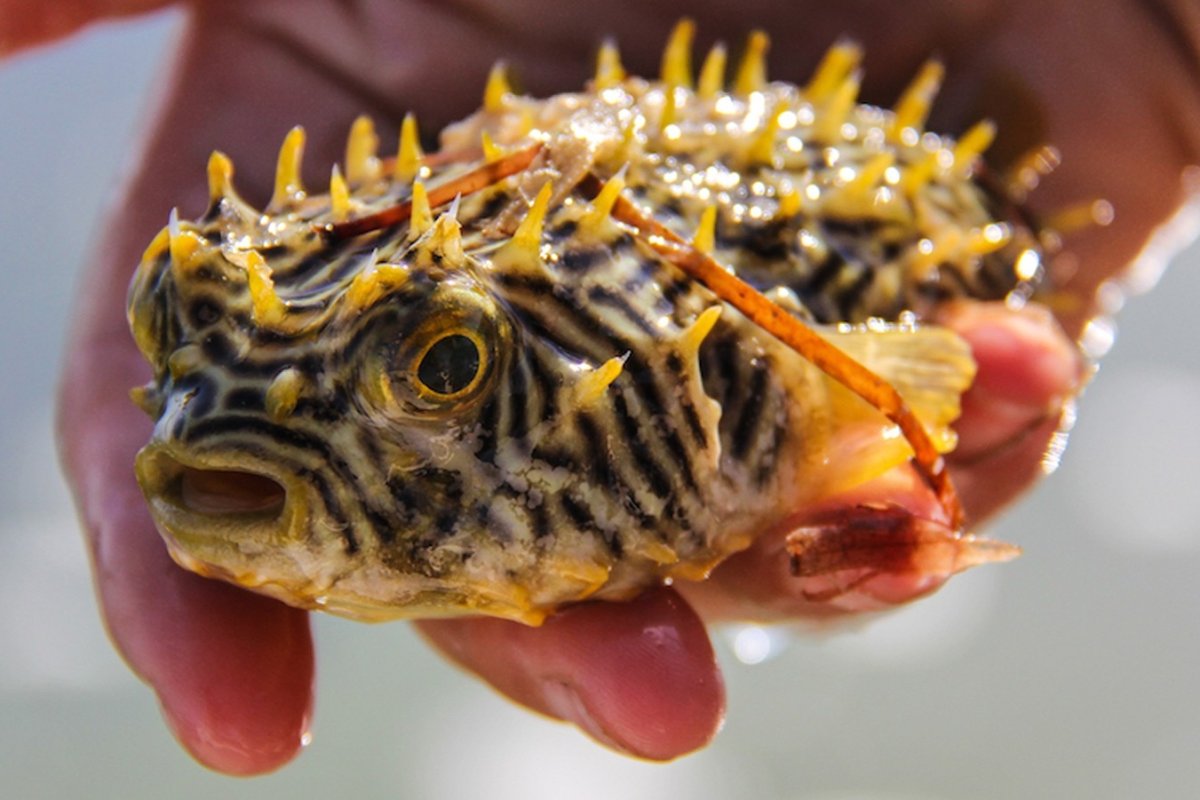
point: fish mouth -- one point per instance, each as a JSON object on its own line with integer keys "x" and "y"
{"x": 218, "y": 508}
{"x": 227, "y": 492}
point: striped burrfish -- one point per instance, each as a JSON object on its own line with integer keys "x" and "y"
{"x": 592, "y": 343}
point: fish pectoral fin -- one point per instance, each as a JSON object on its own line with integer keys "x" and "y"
{"x": 883, "y": 551}
{"x": 930, "y": 367}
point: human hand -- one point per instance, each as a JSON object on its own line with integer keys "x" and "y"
{"x": 234, "y": 670}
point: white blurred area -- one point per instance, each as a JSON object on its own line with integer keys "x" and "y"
{"x": 1070, "y": 673}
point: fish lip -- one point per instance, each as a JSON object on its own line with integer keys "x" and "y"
{"x": 161, "y": 467}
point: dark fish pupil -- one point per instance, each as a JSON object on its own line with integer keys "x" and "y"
{"x": 450, "y": 365}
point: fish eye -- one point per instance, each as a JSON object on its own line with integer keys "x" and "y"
{"x": 451, "y": 365}
{"x": 436, "y": 362}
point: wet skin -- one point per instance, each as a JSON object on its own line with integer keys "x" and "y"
{"x": 1114, "y": 88}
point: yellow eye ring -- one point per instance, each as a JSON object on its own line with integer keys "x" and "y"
{"x": 451, "y": 365}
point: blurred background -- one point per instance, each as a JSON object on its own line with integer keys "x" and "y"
{"x": 1070, "y": 673}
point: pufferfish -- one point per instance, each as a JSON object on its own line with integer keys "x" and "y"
{"x": 593, "y": 343}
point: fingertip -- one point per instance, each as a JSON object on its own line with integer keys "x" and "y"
{"x": 233, "y": 671}
{"x": 1027, "y": 370}
{"x": 1024, "y": 355}
{"x": 639, "y": 677}
{"x": 241, "y": 748}
{"x": 239, "y": 697}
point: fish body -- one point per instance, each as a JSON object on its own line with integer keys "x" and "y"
{"x": 498, "y": 397}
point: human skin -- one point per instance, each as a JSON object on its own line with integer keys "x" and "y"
{"x": 1112, "y": 84}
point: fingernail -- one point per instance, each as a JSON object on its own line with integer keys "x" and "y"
{"x": 563, "y": 701}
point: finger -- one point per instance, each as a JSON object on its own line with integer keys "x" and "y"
{"x": 639, "y": 677}
{"x": 25, "y": 23}
{"x": 758, "y": 583}
{"x": 1028, "y": 372}
{"x": 233, "y": 671}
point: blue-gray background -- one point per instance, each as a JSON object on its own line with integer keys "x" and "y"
{"x": 1070, "y": 673}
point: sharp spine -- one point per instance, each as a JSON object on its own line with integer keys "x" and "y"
{"x": 762, "y": 148}
{"x": 712, "y": 73}
{"x": 670, "y": 107}
{"x": 912, "y": 109}
{"x": 609, "y": 71}
{"x": 422, "y": 215}
{"x": 288, "y": 187}
{"x": 752, "y": 72}
{"x": 284, "y": 393}
{"x": 594, "y": 383}
{"x": 160, "y": 244}
{"x": 837, "y": 64}
{"x": 841, "y": 101}
{"x": 148, "y": 399}
{"x": 267, "y": 307}
{"x": 528, "y": 236}
{"x": 409, "y": 155}
{"x": 694, "y": 335}
{"x": 972, "y": 145}
{"x": 706, "y": 232}
{"x": 789, "y": 203}
{"x": 446, "y": 237}
{"x": 497, "y": 89}
{"x": 339, "y": 195}
{"x": 524, "y": 250}
{"x": 1090, "y": 213}
{"x": 1028, "y": 170}
{"x": 371, "y": 284}
{"x": 987, "y": 239}
{"x": 220, "y": 176}
{"x": 597, "y": 216}
{"x": 184, "y": 361}
{"x": 185, "y": 246}
{"x": 362, "y": 165}
{"x": 677, "y": 56}
{"x": 491, "y": 151}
